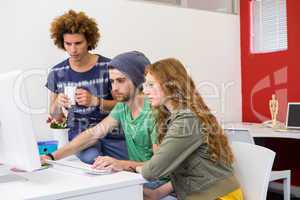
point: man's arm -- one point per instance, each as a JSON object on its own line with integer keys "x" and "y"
{"x": 85, "y": 98}
{"x": 106, "y": 105}
{"x": 86, "y": 138}
{"x": 55, "y": 108}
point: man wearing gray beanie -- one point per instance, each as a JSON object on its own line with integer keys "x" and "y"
{"x": 133, "y": 112}
{"x": 132, "y": 64}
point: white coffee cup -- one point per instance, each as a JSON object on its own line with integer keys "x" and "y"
{"x": 69, "y": 91}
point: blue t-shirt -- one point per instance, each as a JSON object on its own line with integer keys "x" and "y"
{"x": 96, "y": 81}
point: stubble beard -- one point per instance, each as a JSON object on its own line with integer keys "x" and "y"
{"x": 121, "y": 98}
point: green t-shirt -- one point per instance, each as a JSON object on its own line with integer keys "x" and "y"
{"x": 140, "y": 133}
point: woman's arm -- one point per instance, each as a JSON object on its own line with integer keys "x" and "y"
{"x": 182, "y": 139}
{"x": 155, "y": 148}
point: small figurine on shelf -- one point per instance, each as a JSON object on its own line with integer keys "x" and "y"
{"x": 273, "y": 123}
{"x": 273, "y": 106}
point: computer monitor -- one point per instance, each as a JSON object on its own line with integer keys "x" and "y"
{"x": 18, "y": 146}
{"x": 293, "y": 115}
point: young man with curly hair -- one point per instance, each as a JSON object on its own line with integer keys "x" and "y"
{"x": 77, "y": 34}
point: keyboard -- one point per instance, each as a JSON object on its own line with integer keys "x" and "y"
{"x": 79, "y": 165}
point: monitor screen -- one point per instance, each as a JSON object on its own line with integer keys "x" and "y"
{"x": 18, "y": 146}
{"x": 293, "y": 116}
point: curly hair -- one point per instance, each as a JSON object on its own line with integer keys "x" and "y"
{"x": 180, "y": 89}
{"x": 74, "y": 23}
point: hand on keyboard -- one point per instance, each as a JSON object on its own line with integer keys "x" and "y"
{"x": 106, "y": 162}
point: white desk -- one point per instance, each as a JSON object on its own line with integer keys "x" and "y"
{"x": 54, "y": 183}
{"x": 257, "y": 130}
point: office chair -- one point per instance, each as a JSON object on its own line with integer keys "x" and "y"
{"x": 285, "y": 175}
{"x": 253, "y": 177}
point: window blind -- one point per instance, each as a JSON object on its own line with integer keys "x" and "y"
{"x": 269, "y": 25}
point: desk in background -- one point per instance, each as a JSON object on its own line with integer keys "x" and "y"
{"x": 258, "y": 131}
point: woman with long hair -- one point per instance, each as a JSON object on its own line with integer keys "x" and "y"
{"x": 194, "y": 151}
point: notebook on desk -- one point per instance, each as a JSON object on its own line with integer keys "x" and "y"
{"x": 293, "y": 116}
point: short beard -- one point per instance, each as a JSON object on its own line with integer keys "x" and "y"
{"x": 122, "y": 98}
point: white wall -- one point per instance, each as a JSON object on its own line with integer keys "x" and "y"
{"x": 208, "y": 43}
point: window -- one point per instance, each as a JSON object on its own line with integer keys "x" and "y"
{"x": 226, "y": 6}
{"x": 177, "y": 2}
{"x": 269, "y": 26}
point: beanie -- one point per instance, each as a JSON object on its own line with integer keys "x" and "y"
{"x": 132, "y": 64}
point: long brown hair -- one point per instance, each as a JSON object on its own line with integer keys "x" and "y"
{"x": 180, "y": 89}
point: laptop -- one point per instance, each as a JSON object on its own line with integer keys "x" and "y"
{"x": 293, "y": 116}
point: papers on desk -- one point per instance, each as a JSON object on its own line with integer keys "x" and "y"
{"x": 287, "y": 130}
{"x": 77, "y": 165}
{"x": 240, "y": 126}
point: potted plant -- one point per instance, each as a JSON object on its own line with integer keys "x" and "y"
{"x": 60, "y": 131}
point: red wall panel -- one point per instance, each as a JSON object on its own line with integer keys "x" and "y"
{"x": 268, "y": 73}
{"x": 265, "y": 74}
